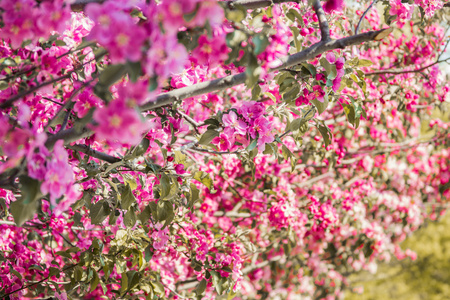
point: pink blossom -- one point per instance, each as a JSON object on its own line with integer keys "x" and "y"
{"x": 160, "y": 237}
{"x": 86, "y": 100}
{"x": 317, "y": 94}
{"x": 210, "y": 51}
{"x": 117, "y": 31}
{"x": 251, "y": 110}
{"x": 36, "y": 163}
{"x": 402, "y": 10}
{"x": 59, "y": 175}
{"x": 231, "y": 120}
{"x": 133, "y": 93}
{"x": 333, "y": 5}
{"x": 223, "y": 142}
{"x": 259, "y": 127}
{"x": 118, "y": 122}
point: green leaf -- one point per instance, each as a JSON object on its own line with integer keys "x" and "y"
{"x": 296, "y": 37}
{"x": 164, "y": 185}
{"x": 236, "y": 14}
{"x": 180, "y": 158}
{"x": 165, "y": 210}
{"x": 349, "y": 112}
{"x": 252, "y": 145}
{"x": 311, "y": 69}
{"x": 204, "y": 178}
{"x": 108, "y": 77}
{"x": 99, "y": 212}
{"x": 194, "y": 195}
{"x": 261, "y": 42}
{"x": 256, "y": 91}
{"x": 129, "y": 219}
{"x": 133, "y": 279}
{"x": 134, "y": 70}
{"x": 364, "y": 63}
{"x": 216, "y": 282}
{"x": 326, "y": 134}
{"x": 127, "y": 197}
{"x": 3, "y": 85}
{"x": 200, "y": 290}
{"x": 158, "y": 288}
{"x": 295, "y": 125}
{"x": 145, "y": 215}
{"x": 24, "y": 207}
{"x": 64, "y": 254}
{"x": 142, "y": 147}
{"x": 208, "y": 136}
{"x": 78, "y": 273}
{"x": 330, "y": 68}
{"x": 321, "y": 106}
{"x": 95, "y": 280}
{"x": 123, "y": 283}
{"x": 148, "y": 253}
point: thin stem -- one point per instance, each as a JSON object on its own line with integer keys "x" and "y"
{"x": 407, "y": 71}
{"x": 364, "y": 14}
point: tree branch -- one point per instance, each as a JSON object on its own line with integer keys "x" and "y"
{"x": 401, "y": 71}
{"x": 285, "y": 62}
{"x": 323, "y": 22}
{"x": 94, "y": 153}
{"x": 79, "y": 5}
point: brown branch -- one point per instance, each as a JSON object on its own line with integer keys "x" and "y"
{"x": 94, "y": 153}
{"x": 407, "y": 71}
{"x": 323, "y": 22}
{"x": 79, "y": 5}
{"x": 285, "y": 62}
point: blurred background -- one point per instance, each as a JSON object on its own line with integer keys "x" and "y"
{"x": 426, "y": 278}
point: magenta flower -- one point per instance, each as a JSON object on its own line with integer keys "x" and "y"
{"x": 331, "y": 57}
{"x": 263, "y": 140}
{"x": 332, "y": 5}
{"x": 402, "y": 10}
{"x": 251, "y": 110}
{"x": 259, "y": 127}
{"x": 222, "y": 141}
{"x": 133, "y": 93}
{"x": 231, "y": 120}
{"x": 117, "y": 122}
{"x": 59, "y": 174}
{"x": 317, "y": 93}
{"x": 36, "y": 163}
{"x": 160, "y": 237}
{"x": 86, "y": 100}
{"x": 211, "y": 51}
{"x": 117, "y": 31}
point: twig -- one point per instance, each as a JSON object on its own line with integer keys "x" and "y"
{"x": 407, "y": 71}
{"x": 364, "y": 14}
{"x": 94, "y": 153}
{"x": 35, "y": 283}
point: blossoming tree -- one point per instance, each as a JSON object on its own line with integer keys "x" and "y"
{"x": 189, "y": 149}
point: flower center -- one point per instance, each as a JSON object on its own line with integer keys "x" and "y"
{"x": 116, "y": 121}
{"x": 206, "y": 48}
